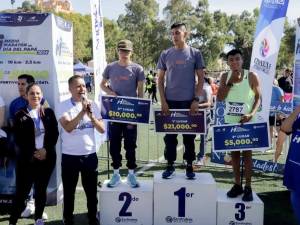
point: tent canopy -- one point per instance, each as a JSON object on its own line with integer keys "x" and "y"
{"x": 80, "y": 67}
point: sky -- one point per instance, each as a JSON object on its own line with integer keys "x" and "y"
{"x": 113, "y": 8}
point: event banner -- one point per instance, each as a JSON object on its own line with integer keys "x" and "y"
{"x": 242, "y": 137}
{"x": 24, "y": 48}
{"x": 282, "y": 107}
{"x": 269, "y": 29}
{"x": 180, "y": 122}
{"x": 257, "y": 164}
{"x": 296, "y": 88}
{"x": 125, "y": 109}
{"x": 99, "y": 58}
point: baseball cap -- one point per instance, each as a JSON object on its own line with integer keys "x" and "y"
{"x": 125, "y": 45}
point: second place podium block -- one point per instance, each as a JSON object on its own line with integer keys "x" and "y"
{"x": 126, "y": 205}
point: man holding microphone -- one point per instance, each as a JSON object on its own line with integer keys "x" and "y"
{"x": 80, "y": 119}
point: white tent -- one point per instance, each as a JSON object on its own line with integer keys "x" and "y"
{"x": 80, "y": 67}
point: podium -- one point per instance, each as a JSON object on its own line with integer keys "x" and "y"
{"x": 126, "y": 205}
{"x": 176, "y": 201}
{"x": 182, "y": 201}
{"x": 235, "y": 211}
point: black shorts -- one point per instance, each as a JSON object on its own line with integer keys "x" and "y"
{"x": 272, "y": 121}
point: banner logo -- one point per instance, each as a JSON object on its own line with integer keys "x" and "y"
{"x": 264, "y": 48}
{"x": 18, "y": 47}
{"x": 20, "y": 18}
{"x": 62, "y": 48}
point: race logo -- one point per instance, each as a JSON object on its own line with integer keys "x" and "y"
{"x": 18, "y": 47}
{"x": 62, "y": 48}
{"x": 264, "y": 48}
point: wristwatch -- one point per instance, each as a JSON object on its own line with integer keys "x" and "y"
{"x": 196, "y": 98}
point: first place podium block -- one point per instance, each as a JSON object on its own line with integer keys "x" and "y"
{"x": 235, "y": 211}
{"x": 182, "y": 201}
{"x": 126, "y": 205}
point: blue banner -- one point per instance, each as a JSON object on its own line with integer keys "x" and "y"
{"x": 180, "y": 122}
{"x": 250, "y": 136}
{"x": 282, "y": 107}
{"x": 257, "y": 164}
{"x": 125, "y": 109}
{"x": 22, "y": 19}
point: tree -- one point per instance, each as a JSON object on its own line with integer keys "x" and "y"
{"x": 27, "y": 6}
{"x": 209, "y": 33}
{"x": 242, "y": 28}
{"x": 112, "y": 34}
{"x": 287, "y": 47}
{"x": 178, "y": 11}
{"x": 12, "y": 2}
{"x": 138, "y": 24}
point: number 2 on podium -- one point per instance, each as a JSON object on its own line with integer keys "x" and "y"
{"x": 127, "y": 197}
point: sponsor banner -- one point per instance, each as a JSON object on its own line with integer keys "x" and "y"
{"x": 269, "y": 29}
{"x": 22, "y": 20}
{"x": 180, "y": 122}
{"x": 241, "y": 137}
{"x": 62, "y": 70}
{"x": 99, "y": 58}
{"x": 98, "y": 44}
{"x": 296, "y": 88}
{"x": 24, "y": 48}
{"x": 257, "y": 164}
{"x": 125, "y": 109}
{"x": 282, "y": 107}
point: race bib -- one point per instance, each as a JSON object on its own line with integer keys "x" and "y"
{"x": 235, "y": 109}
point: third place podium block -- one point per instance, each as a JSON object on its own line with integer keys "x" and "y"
{"x": 235, "y": 211}
{"x": 182, "y": 201}
{"x": 126, "y": 205}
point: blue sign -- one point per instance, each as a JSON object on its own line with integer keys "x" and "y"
{"x": 282, "y": 107}
{"x": 180, "y": 121}
{"x": 257, "y": 164}
{"x": 238, "y": 137}
{"x": 125, "y": 109}
{"x": 22, "y": 19}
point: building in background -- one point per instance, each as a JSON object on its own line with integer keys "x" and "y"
{"x": 64, "y": 6}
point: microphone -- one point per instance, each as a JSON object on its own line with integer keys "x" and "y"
{"x": 85, "y": 99}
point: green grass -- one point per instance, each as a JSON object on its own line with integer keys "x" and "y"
{"x": 150, "y": 148}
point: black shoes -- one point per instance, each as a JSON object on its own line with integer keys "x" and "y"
{"x": 237, "y": 190}
{"x": 247, "y": 197}
{"x": 189, "y": 172}
{"x": 169, "y": 172}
